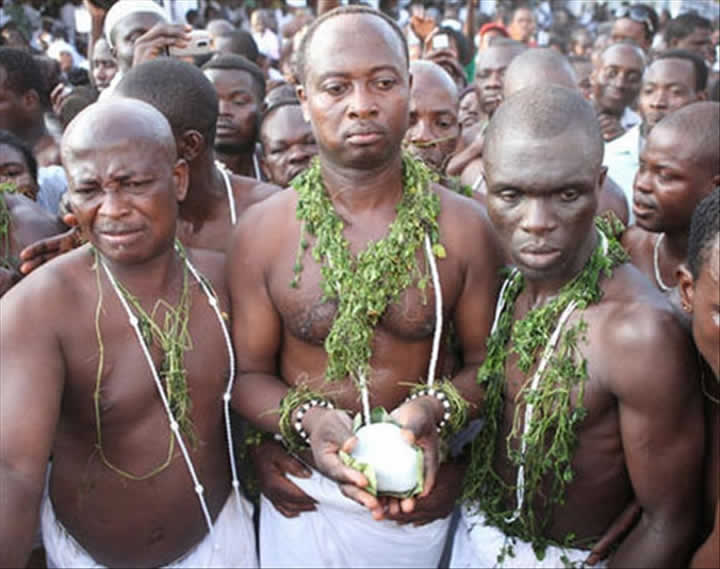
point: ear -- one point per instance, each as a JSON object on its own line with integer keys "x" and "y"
{"x": 300, "y": 90}
{"x": 190, "y": 145}
{"x": 601, "y": 180}
{"x": 686, "y": 287}
{"x": 181, "y": 178}
{"x": 264, "y": 167}
{"x": 31, "y": 98}
{"x": 715, "y": 182}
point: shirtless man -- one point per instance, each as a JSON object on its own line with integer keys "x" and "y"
{"x": 632, "y": 431}
{"x": 679, "y": 166}
{"x": 355, "y": 90}
{"x": 287, "y": 142}
{"x": 700, "y": 290}
{"x": 119, "y": 490}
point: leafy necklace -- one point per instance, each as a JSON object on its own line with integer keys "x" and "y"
{"x": 365, "y": 284}
{"x": 546, "y": 424}
{"x": 5, "y": 223}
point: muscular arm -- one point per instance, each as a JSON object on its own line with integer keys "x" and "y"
{"x": 31, "y": 384}
{"x": 662, "y": 429}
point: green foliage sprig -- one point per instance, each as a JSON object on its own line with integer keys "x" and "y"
{"x": 550, "y": 437}
{"x": 5, "y": 222}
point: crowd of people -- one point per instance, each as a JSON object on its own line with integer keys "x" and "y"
{"x": 391, "y": 284}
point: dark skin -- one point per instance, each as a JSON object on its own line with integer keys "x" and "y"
{"x": 287, "y": 144}
{"x": 358, "y": 103}
{"x": 489, "y": 72}
{"x": 125, "y": 198}
{"x": 701, "y": 298}
{"x": 671, "y": 180}
{"x": 239, "y": 105}
{"x": 629, "y": 444}
{"x": 627, "y": 29}
{"x": 28, "y": 223}
{"x": 128, "y": 32}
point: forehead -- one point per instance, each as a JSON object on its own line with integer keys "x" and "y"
{"x": 10, "y": 154}
{"x": 626, "y": 27}
{"x": 430, "y": 88}
{"x": 522, "y": 14}
{"x": 285, "y": 122}
{"x": 671, "y": 71}
{"x": 354, "y": 43}
{"x": 522, "y": 160}
{"x": 496, "y": 57}
{"x": 134, "y": 22}
{"x": 669, "y": 146}
{"x": 101, "y": 50}
{"x": 230, "y": 79}
{"x": 625, "y": 56}
{"x": 582, "y": 68}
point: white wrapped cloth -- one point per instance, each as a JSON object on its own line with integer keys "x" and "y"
{"x": 478, "y": 545}
{"x": 342, "y": 533}
{"x": 123, "y": 8}
{"x": 233, "y": 531}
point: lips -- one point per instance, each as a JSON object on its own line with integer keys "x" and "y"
{"x": 642, "y": 208}
{"x": 539, "y": 256}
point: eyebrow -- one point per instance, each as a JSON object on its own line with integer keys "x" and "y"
{"x": 375, "y": 69}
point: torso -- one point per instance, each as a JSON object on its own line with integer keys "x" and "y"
{"x": 119, "y": 521}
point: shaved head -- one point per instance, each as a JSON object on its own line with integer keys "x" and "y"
{"x": 427, "y": 74}
{"x": 542, "y": 115}
{"x": 538, "y": 67}
{"x": 121, "y": 119}
{"x": 697, "y": 125}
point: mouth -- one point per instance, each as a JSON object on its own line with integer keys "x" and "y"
{"x": 643, "y": 209}
{"x": 539, "y": 256}
{"x": 119, "y": 236}
{"x": 363, "y": 138}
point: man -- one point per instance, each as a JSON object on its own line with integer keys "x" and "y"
{"x": 239, "y": 42}
{"x": 23, "y": 95}
{"x": 355, "y": 88}
{"x": 637, "y": 23}
{"x": 583, "y": 69}
{"x": 286, "y": 141}
{"x": 104, "y": 66}
{"x": 521, "y": 24}
{"x": 700, "y": 291}
{"x": 468, "y": 108}
{"x": 615, "y": 83}
{"x": 674, "y": 79}
{"x": 434, "y": 127}
{"x": 98, "y": 411}
{"x": 581, "y": 435}
{"x": 692, "y": 32}
{"x": 240, "y": 86}
{"x": 580, "y": 43}
{"x": 679, "y": 166}
{"x": 540, "y": 67}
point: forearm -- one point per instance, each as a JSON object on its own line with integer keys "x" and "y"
{"x": 658, "y": 542}
{"x": 19, "y": 505}
{"x": 257, "y": 397}
{"x": 466, "y": 383}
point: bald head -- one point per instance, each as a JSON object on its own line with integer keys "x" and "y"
{"x": 428, "y": 75}
{"x": 697, "y": 125}
{"x": 540, "y": 115}
{"x": 117, "y": 121}
{"x": 538, "y": 67}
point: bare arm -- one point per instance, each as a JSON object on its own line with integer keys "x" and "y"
{"x": 469, "y": 24}
{"x": 662, "y": 429}
{"x": 31, "y": 383}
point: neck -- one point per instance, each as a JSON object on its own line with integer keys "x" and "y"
{"x": 150, "y": 277}
{"x": 207, "y": 189}
{"x": 354, "y": 191}
{"x": 35, "y": 133}
{"x": 241, "y": 164}
{"x": 674, "y": 247}
{"x": 540, "y": 291}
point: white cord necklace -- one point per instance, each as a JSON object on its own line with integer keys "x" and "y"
{"x": 174, "y": 426}
{"x": 656, "y": 264}
{"x": 228, "y": 188}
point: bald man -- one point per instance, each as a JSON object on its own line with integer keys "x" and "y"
{"x": 679, "y": 166}
{"x": 93, "y": 395}
{"x": 576, "y": 426}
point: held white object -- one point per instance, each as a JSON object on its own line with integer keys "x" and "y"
{"x": 394, "y": 460}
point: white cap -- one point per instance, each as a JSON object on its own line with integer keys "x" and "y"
{"x": 123, "y": 8}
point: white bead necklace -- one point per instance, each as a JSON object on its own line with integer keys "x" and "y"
{"x": 656, "y": 264}
{"x": 228, "y": 188}
{"x": 227, "y": 395}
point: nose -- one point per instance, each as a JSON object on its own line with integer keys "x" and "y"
{"x": 113, "y": 204}
{"x": 659, "y": 100}
{"x": 298, "y": 154}
{"x": 538, "y": 218}
{"x": 494, "y": 81}
{"x": 362, "y": 103}
{"x": 224, "y": 107}
{"x": 420, "y": 132}
{"x": 643, "y": 181}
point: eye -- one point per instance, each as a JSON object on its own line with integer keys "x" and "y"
{"x": 569, "y": 195}
{"x": 444, "y": 123}
{"x": 334, "y": 89}
{"x": 509, "y": 195}
{"x": 385, "y": 84}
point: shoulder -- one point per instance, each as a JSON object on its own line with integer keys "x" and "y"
{"x": 636, "y": 239}
{"x": 210, "y": 264}
{"x": 251, "y": 190}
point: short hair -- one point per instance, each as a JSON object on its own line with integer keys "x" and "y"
{"x": 466, "y": 91}
{"x": 276, "y": 104}
{"x": 510, "y": 14}
{"x": 463, "y": 47}
{"x": 242, "y": 43}
{"x": 7, "y": 138}
{"x": 699, "y": 124}
{"x": 683, "y": 25}
{"x": 704, "y": 230}
{"x": 22, "y": 73}
{"x": 179, "y": 90}
{"x": 283, "y": 91}
{"x": 301, "y": 57}
{"x": 523, "y": 68}
{"x": 701, "y": 69}
{"x": 230, "y": 61}
{"x": 643, "y": 10}
{"x": 545, "y": 113}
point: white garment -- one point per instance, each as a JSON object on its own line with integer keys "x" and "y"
{"x": 268, "y": 43}
{"x": 478, "y": 545}
{"x": 52, "y": 184}
{"x": 342, "y": 533}
{"x": 233, "y": 530}
{"x": 621, "y": 159}
{"x": 629, "y": 118}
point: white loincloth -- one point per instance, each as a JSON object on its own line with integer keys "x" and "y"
{"x": 233, "y": 530}
{"x": 478, "y": 545}
{"x": 342, "y": 533}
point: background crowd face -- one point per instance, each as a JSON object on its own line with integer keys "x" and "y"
{"x": 126, "y": 33}
{"x": 706, "y": 308}
{"x": 489, "y": 73}
{"x": 288, "y": 144}
{"x": 104, "y": 66}
{"x": 616, "y": 80}
{"x": 14, "y": 169}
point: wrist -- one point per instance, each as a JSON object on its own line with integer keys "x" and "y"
{"x": 312, "y": 416}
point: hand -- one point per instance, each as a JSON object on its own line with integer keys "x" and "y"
{"x": 155, "y": 42}
{"x": 330, "y": 432}
{"x": 447, "y": 59}
{"x": 42, "y": 251}
{"x": 8, "y": 277}
{"x": 459, "y": 162}
{"x": 610, "y": 126}
{"x": 436, "y": 505}
{"x": 614, "y": 533}
{"x": 422, "y": 26}
{"x": 95, "y": 11}
{"x": 58, "y": 96}
{"x": 419, "y": 418}
{"x": 272, "y": 462}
